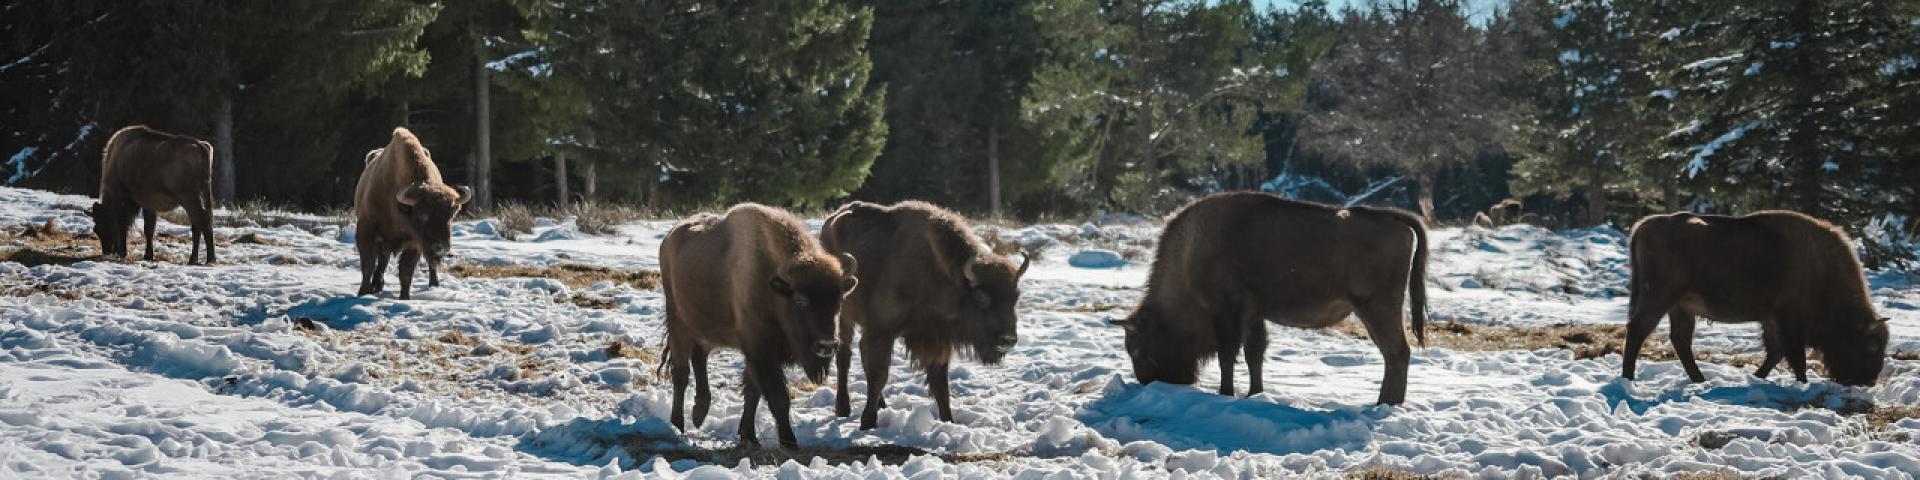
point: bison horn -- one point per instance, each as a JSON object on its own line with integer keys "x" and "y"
{"x": 1120, "y": 322}
{"x": 405, "y": 196}
{"x": 966, "y": 271}
{"x": 848, "y": 265}
{"x": 1026, "y": 260}
{"x": 465, "y": 194}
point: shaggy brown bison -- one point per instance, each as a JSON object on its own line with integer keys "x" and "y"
{"x": 1228, "y": 261}
{"x": 152, "y": 171}
{"x": 754, "y": 280}
{"x": 402, "y": 206}
{"x": 928, "y": 280}
{"x": 1794, "y": 274}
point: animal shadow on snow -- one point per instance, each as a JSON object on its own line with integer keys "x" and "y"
{"x": 582, "y": 440}
{"x": 1756, "y": 393}
{"x": 346, "y": 312}
{"x": 1185, "y": 417}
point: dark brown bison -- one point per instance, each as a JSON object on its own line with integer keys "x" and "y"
{"x": 1794, "y": 274}
{"x": 402, "y": 206}
{"x": 152, "y": 171}
{"x": 1228, "y": 261}
{"x": 1507, "y": 212}
{"x": 754, "y": 280}
{"x": 928, "y": 280}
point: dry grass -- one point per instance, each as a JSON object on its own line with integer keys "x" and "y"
{"x": 1720, "y": 475}
{"x": 621, "y": 349}
{"x": 1384, "y": 473}
{"x": 599, "y": 218}
{"x": 515, "y": 219}
{"x": 1881, "y": 416}
{"x": 573, "y": 275}
{"x": 1585, "y": 341}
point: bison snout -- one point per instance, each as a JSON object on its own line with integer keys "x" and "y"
{"x": 441, "y": 251}
{"x": 825, "y": 348}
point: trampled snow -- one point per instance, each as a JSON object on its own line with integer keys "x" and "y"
{"x": 267, "y": 365}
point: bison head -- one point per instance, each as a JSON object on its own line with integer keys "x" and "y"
{"x": 1855, "y": 357}
{"x": 993, "y": 290}
{"x": 1159, "y": 353}
{"x": 810, "y": 291}
{"x": 429, "y": 210}
{"x": 110, "y": 225}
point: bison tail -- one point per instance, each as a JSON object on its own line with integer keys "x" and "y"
{"x": 1417, "y": 278}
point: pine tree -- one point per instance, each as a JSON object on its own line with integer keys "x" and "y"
{"x": 1413, "y": 88}
{"x": 761, "y": 100}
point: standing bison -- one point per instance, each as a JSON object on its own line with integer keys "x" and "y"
{"x": 754, "y": 280}
{"x": 1229, "y": 261}
{"x": 1794, "y": 274}
{"x": 928, "y": 281}
{"x": 152, "y": 171}
{"x": 402, "y": 206}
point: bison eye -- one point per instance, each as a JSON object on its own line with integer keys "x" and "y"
{"x": 800, "y": 301}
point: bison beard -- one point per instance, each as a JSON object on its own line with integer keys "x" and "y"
{"x": 152, "y": 171}
{"x": 1229, "y": 263}
{"x": 1794, "y": 274}
{"x": 930, "y": 282}
{"x": 753, "y": 280}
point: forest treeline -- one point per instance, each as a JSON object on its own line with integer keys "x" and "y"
{"x": 1593, "y": 111}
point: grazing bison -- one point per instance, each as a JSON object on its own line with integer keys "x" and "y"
{"x": 1228, "y": 261}
{"x": 754, "y": 280}
{"x": 402, "y": 206}
{"x": 1794, "y": 274}
{"x": 152, "y": 171}
{"x": 928, "y": 281}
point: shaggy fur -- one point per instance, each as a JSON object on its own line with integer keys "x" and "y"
{"x": 1794, "y": 274}
{"x": 402, "y": 206}
{"x": 1229, "y": 261}
{"x": 928, "y": 281}
{"x": 152, "y": 171}
{"x": 752, "y": 280}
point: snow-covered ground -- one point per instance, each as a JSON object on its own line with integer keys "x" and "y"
{"x": 266, "y": 365}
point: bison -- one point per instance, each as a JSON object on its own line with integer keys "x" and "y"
{"x": 401, "y": 205}
{"x": 752, "y": 279}
{"x": 153, "y": 171}
{"x": 1228, "y": 261}
{"x": 1794, "y": 274}
{"x": 930, "y": 281}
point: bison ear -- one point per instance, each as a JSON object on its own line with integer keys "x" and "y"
{"x": 465, "y": 194}
{"x": 780, "y": 285}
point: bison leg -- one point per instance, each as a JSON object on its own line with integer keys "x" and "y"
{"x": 1794, "y": 347}
{"x": 749, "y": 407}
{"x": 1644, "y": 312}
{"x": 202, "y": 217}
{"x": 677, "y": 363}
{"x": 369, "y": 259}
{"x": 773, "y": 386}
{"x": 876, "y": 357}
{"x": 148, "y": 217}
{"x": 1384, "y": 323}
{"x": 433, "y": 270}
{"x": 937, "y": 384}
{"x": 1256, "y": 351}
{"x": 842, "y": 359}
{"x": 1680, "y": 325}
{"x": 1228, "y": 349}
{"x": 1771, "y": 342}
{"x": 409, "y": 261}
{"x": 702, "y": 395}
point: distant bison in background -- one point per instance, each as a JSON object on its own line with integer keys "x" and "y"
{"x": 1229, "y": 261}
{"x": 928, "y": 280}
{"x": 755, "y": 280}
{"x": 152, "y": 171}
{"x": 1507, "y": 212}
{"x": 402, "y": 206}
{"x": 1794, "y": 274}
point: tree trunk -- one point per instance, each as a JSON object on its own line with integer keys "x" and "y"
{"x": 1596, "y": 197}
{"x": 993, "y": 170}
{"x": 1426, "y": 195}
{"x": 1670, "y": 194}
{"x": 560, "y": 177}
{"x": 223, "y": 150}
{"x": 482, "y": 132}
{"x": 593, "y": 181}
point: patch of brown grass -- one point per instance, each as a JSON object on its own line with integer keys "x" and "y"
{"x": 621, "y": 349}
{"x": 1720, "y": 475}
{"x": 515, "y": 219}
{"x": 1384, "y": 473}
{"x": 1881, "y": 416}
{"x": 572, "y": 274}
{"x": 599, "y": 218}
{"x": 457, "y": 337}
{"x": 1585, "y": 341}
